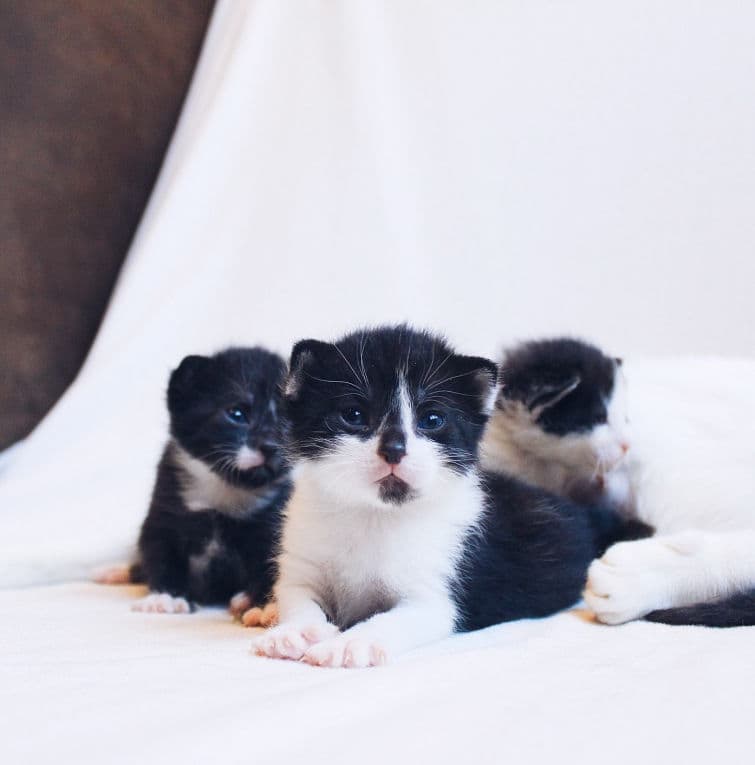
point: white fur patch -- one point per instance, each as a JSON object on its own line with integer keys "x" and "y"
{"x": 198, "y": 564}
{"x": 247, "y": 458}
{"x": 161, "y": 603}
{"x": 202, "y": 489}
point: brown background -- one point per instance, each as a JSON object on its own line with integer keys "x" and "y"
{"x": 90, "y": 92}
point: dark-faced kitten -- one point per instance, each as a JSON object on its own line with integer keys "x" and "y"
{"x": 221, "y": 485}
{"x": 560, "y": 422}
{"x": 392, "y": 536}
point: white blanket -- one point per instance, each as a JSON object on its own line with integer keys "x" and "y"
{"x": 494, "y": 170}
{"x": 86, "y": 680}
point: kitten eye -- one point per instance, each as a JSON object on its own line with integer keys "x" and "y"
{"x": 431, "y": 421}
{"x": 236, "y": 415}
{"x": 353, "y": 417}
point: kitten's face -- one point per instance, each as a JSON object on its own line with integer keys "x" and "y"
{"x": 225, "y": 411}
{"x": 567, "y": 400}
{"x": 381, "y": 416}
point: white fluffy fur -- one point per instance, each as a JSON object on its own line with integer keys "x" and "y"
{"x": 692, "y": 467}
{"x": 347, "y": 552}
{"x": 201, "y": 489}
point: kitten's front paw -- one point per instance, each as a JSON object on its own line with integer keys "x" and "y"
{"x": 239, "y": 604}
{"x": 343, "y": 651}
{"x": 261, "y": 617}
{"x": 112, "y": 575}
{"x": 161, "y": 603}
{"x": 291, "y": 641}
{"x": 634, "y": 578}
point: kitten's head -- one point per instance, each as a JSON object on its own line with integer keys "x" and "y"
{"x": 380, "y": 417}
{"x": 565, "y": 398}
{"x": 225, "y": 411}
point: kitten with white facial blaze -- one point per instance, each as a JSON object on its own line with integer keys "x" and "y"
{"x": 221, "y": 485}
{"x": 560, "y": 422}
{"x": 393, "y": 537}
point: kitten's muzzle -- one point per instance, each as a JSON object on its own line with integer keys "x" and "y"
{"x": 392, "y": 446}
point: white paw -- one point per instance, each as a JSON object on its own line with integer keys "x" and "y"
{"x": 238, "y": 604}
{"x": 161, "y": 603}
{"x": 634, "y": 578}
{"x": 290, "y": 641}
{"x": 112, "y": 575}
{"x": 261, "y": 617}
{"x": 343, "y": 651}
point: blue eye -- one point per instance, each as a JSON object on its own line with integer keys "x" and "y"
{"x": 354, "y": 418}
{"x": 431, "y": 421}
{"x": 236, "y": 415}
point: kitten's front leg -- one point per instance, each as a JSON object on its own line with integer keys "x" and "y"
{"x": 372, "y": 642}
{"x": 302, "y": 623}
{"x": 634, "y": 578}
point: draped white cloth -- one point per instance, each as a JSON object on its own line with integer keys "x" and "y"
{"x": 495, "y": 170}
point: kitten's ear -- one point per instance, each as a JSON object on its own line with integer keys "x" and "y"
{"x": 618, "y": 360}
{"x": 484, "y": 375}
{"x": 303, "y": 355}
{"x": 186, "y": 378}
{"x": 542, "y": 396}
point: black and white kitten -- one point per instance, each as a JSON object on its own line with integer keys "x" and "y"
{"x": 392, "y": 537}
{"x": 560, "y": 422}
{"x": 221, "y": 485}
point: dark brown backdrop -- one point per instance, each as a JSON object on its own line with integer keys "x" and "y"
{"x": 89, "y": 95}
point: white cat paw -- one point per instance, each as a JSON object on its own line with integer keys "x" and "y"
{"x": 261, "y": 617}
{"x": 343, "y": 651}
{"x": 112, "y": 575}
{"x": 161, "y": 603}
{"x": 291, "y": 641}
{"x": 239, "y": 603}
{"x": 634, "y": 578}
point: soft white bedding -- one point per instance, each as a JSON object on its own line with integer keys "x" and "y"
{"x": 495, "y": 170}
{"x": 86, "y": 680}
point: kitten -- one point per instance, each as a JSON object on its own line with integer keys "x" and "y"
{"x": 393, "y": 537}
{"x": 560, "y": 422}
{"x": 221, "y": 485}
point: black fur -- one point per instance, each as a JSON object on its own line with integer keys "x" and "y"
{"x": 531, "y": 557}
{"x": 734, "y": 611}
{"x": 200, "y": 393}
{"x": 539, "y": 373}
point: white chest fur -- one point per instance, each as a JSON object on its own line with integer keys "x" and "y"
{"x": 201, "y": 489}
{"x": 359, "y": 560}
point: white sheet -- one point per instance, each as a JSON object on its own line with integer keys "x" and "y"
{"x": 93, "y": 682}
{"x": 496, "y": 170}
